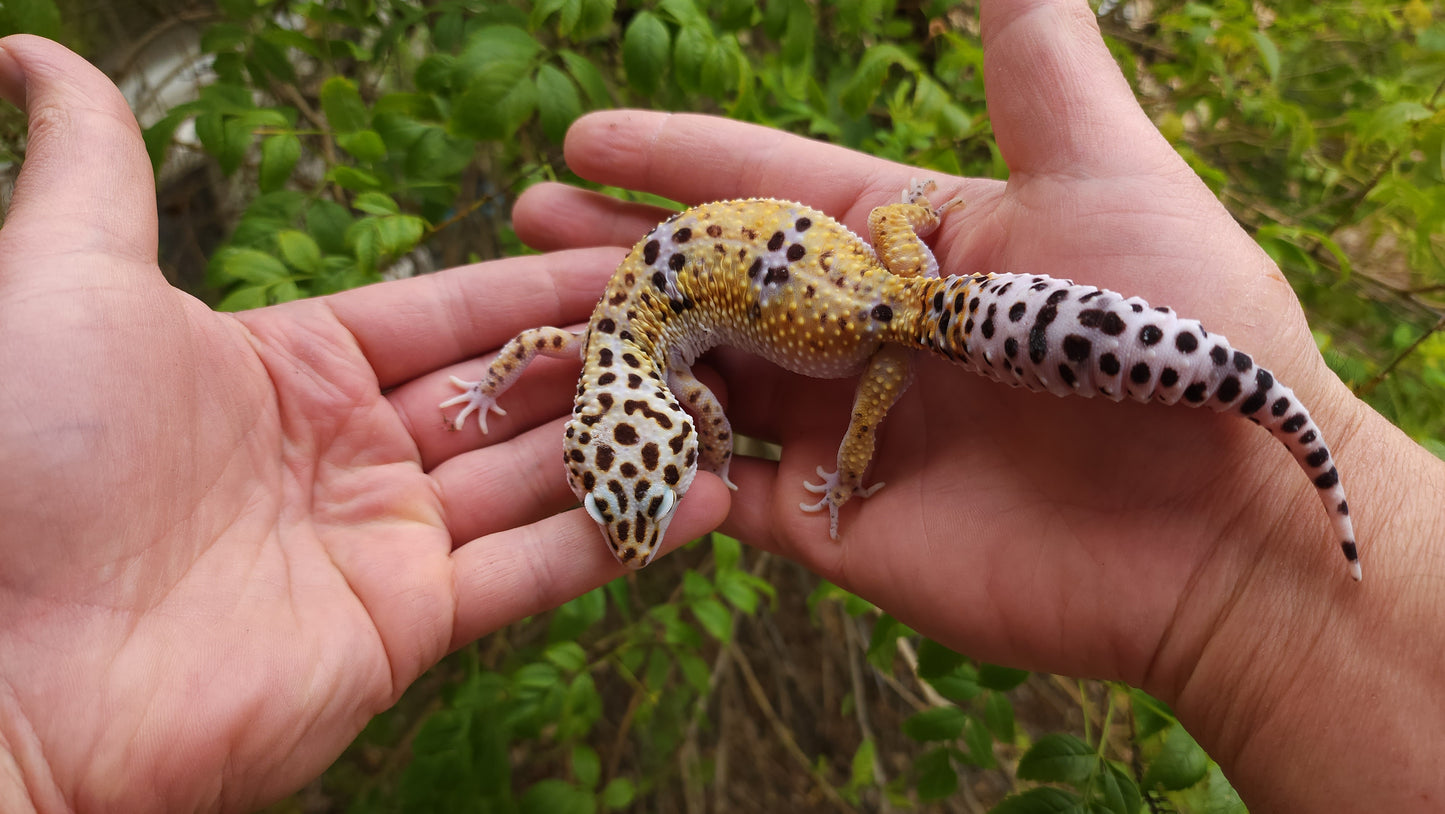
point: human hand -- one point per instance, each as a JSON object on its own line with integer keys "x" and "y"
{"x": 228, "y": 540}
{"x": 1167, "y": 547}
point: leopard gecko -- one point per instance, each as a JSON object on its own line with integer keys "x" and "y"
{"x": 794, "y": 286}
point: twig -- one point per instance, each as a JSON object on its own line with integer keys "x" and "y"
{"x": 1374, "y": 381}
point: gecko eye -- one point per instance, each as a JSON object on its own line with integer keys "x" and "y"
{"x": 669, "y": 500}
{"x": 593, "y": 510}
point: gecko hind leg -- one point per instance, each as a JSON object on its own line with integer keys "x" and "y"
{"x": 888, "y": 374}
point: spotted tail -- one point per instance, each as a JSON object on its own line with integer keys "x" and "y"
{"x": 1051, "y": 335}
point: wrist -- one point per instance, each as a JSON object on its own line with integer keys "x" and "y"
{"x": 1315, "y": 694}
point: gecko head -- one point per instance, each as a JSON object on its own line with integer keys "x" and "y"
{"x": 631, "y": 477}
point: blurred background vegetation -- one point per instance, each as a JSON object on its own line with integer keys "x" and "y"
{"x": 306, "y": 147}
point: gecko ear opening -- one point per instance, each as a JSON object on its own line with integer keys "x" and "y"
{"x": 669, "y": 500}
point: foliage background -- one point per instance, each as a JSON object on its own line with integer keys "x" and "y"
{"x": 306, "y": 147}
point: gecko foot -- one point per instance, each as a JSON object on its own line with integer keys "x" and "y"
{"x": 835, "y": 493}
{"x": 475, "y": 401}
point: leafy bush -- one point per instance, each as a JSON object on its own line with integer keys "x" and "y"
{"x": 375, "y": 137}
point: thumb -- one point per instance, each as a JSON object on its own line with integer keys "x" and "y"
{"x": 86, "y": 184}
{"x": 1056, "y": 97}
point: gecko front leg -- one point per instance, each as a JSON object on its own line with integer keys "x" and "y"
{"x": 714, "y": 431}
{"x": 481, "y": 396}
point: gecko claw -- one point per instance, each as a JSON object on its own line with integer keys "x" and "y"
{"x": 475, "y": 402}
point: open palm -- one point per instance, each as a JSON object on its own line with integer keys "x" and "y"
{"x": 228, "y": 541}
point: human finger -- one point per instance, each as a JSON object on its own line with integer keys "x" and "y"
{"x": 551, "y": 216}
{"x": 86, "y": 184}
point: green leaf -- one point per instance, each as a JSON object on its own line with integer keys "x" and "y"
{"x": 1151, "y": 715}
{"x": 644, "y": 52}
{"x": 865, "y": 83}
{"x": 341, "y": 102}
{"x": 353, "y": 179}
{"x": 249, "y": 265}
{"x": 1268, "y": 52}
{"x": 299, "y": 250}
{"x": 243, "y": 299}
{"x": 1058, "y": 758}
{"x": 618, "y": 794}
{"x": 576, "y": 616}
{"x": 936, "y": 724}
{"x": 495, "y": 105}
{"x": 586, "y": 766}
{"x": 736, "y": 588}
{"x": 1043, "y": 800}
{"x": 327, "y": 222}
{"x": 715, "y": 618}
{"x": 861, "y": 774}
{"x": 935, "y": 660}
{"x": 998, "y": 716}
{"x": 1116, "y": 792}
{"x": 497, "y": 56}
{"x": 980, "y": 743}
{"x": 158, "y": 138}
{"x": 587, "y": 77}
{"x": 1181, "y": 762}
{"x": 376, "y": 203}
{"x": 568, "y": 656}
{"x": 364, "y": 144}
{"x": 558, "y": 104}
{"x": 557, "y": 797}
{"x": 959, "y": 685}
{"x": 596, "y": 15}
{"x": 279, "y": 154}
{"x": 935, "y": 776}
{"x": 999, "y": 678}
{"x": 689, "y": 52}
{"x": 39, "y": 17}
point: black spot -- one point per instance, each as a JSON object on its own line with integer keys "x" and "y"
{"x": 1092, "y": 294}
{"x": 1140, "y": 373}
{"x": 938, "y": 301}
{"x": 589, "y": 480}
{"x": 1218, "y": 354}
{"x": 1280, "y": 406}
{"x": 1057, "y": 297}
{"x": 1067, "y": 374}
{"x": 1091, "y": 317}
{"x": 659, "y": 279}
{"x": 882, "y": 313}
{"x": 1016, "y": 311}
{"x": 714, "y": 230}
{"x": 1113, "y": 324}
{"x": 628, "y": 469}
{"x": 670, "y": 474}
{"x": 1348, "y": 547}
{"x": 1136, "y": 307}
{"x": 631, "y": 360}
{"x": 649, "y": 456}
{"x": 756, "y": 267}
{"x": 1168, "y": 377}
{"x": 623, "y": 530}
{"x": 1150, "y": 334}
{"x": 1011, "y": 347}
{"x": 1293, "y": 423}
{"x": 1003, "y": 289}
{"x": 1263, "y": 381}
{"x": 603, "y": 457}
{"x": 625, "y": 434}
{"x": 1109, "y": 364}
{"x": 1328, "y": 479}
{"x": 796, "y": 252}
{"x": 677, "y": 262}
{"x": 1242, "y": 362}
{"x": 972, "y": 304}
{"x": 1318, "y": 457}
{"x": 1343, "y": 508}
{"x": 682, "y": 235}
{"x": 1229, "y": 390}
{"x": 943, "y": 320}
{"x": 605, "y": 399}
{"x": 649, "y": 252}
{"x": 1077, "y": 348}
{"x": 606, "y": 325}
{"x": 607, "y": 378}
{"x": 654, "y": 505}
{"x": 604, "y": 357}
{"x": 802, "y": 224}
{"x": 577, "y": 456}
{"x": 1194, "y": 393}
{"x": 776, "y": 241}
{"x": 776, "y": 276}
{"x": 1309, "y": 437}
{"x": 1186, "y": 342}
{"x": 1038, "y": 344}
{"x": 987, "y": 328}
{"x": 634, "y": 381}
